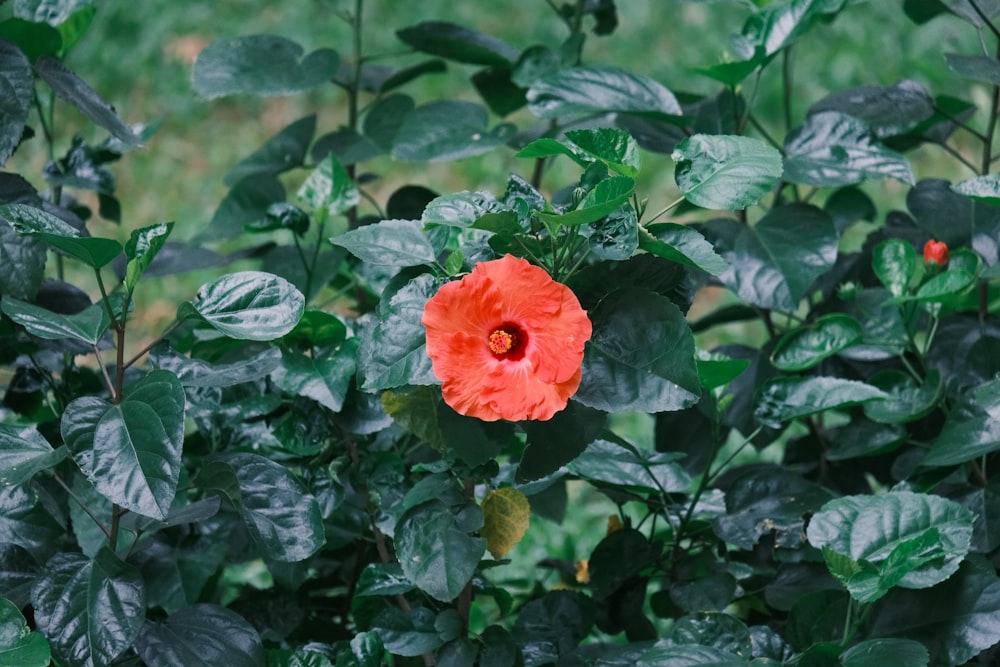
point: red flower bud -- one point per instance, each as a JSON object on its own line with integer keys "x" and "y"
{"x": 936, "y": 252}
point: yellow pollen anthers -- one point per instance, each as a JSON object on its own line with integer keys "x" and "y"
{"x": 502, "y": 341}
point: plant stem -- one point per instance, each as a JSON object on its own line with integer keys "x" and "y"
{"x": 786, "y": 80}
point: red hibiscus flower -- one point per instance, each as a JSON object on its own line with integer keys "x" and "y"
{"x": 506, "y": 341}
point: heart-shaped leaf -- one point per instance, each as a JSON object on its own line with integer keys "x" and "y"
{"x": 24, "y": 452}
{"x": 131, "y": 450}
{"x": 202, "y": 634}
{"x": 605, "y": 89}
{"x": 260, "y": 65}
{"x": 725, "y": 172}
{"x": 249, "y": 305}
{"x": 89, "y": 325}
{"x": 395, "y": 243}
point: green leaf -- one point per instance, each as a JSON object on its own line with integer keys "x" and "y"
{"x": 554, "y": 443}
{"x": 88, "y": 325}
{"x": 131, "y": 451}
{"x": 717, "y": 370}
{"x": 978, "y": 68}
{"x": 330, "y": 188}
{"x": 16, "y": 86}
{"x": 454, "y": 42}
{"x": 618, "y": 557}
{"x": 780, "y": 25}
{"x": 197, "y": 373}
{"x": 447, "y": 130}
{"x": 908, "y": 400}
{"x": 74, "y": 90}
{"x": 24, "y": 452}
{"x": 641, "y": 355}
{"x": 260, "y": 65}
{"x": 766, "y": 500}
{"x": 607, "y": 196}
{"x": 941, "y": 288}
{"x": 832, "y": 149}
{"x": 142, "y": 246}
{"x": 393, "y": 352}
{"x": 615, "y": 148}
{"x": 881, "y": 652}
{"x": 506, "y": 515}
{"x": 285, "y": 150}
{"x": 774, "y": 264}
{"x": 955, "y": 620}
{"x": 870, "y": 528}
{"x": 245, "y": 204}
{"x": 284, "y": 521}
{"x": 895, "y": 264}
{"x": 394, "y": 243}
{"x": 248, "y": 305}
{"x": 409, "y": 633}
{"x": 725, "y": 172}
{"x": 33, "y": 39}
{"x": 967, "y": 11}
{"x": 25, "y": 522}
{"x": 577, "y": 90}
{"x": 92, "y": 251}
{"x": 19, "y": 644}
{"x": 434, "y": 552}
{"x": 887, "y": 110}
{"x": 682, "y": 244}
{"x": 616, "y": 236}
{"x": 380, "y": 579}
{"x": 786, "y": 398}
{"x": 202, "y": 634}
{"x": 24, "y": 258}
{"x": 546, "y": 147}
{"x": 628, "y": 468}
{"x": 31, "y": 220}
{"x": 325, "y": 379}
{"x": 966, "y": 436}
{"x": 984, "y": 188}
{"x": 90, "y": 610}
{"x": 808, "y": 345}
{"x": 553, "y": 625}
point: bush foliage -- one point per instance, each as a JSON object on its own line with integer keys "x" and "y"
{"x": 789, "y": 395}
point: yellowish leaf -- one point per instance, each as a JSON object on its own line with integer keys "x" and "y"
{"x": 506, "y": 514}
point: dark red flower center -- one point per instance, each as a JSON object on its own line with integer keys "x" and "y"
{"x": 507, "y": 341}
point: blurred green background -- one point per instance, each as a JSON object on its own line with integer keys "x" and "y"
{"x": 139, "y": 55}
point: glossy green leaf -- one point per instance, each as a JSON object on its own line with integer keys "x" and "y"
{"x": 260, "y": 65}
{"x": 871, "y": 527}
{"x": 832, "y": 149}
{"x": 767, "y": 500}
{"x": 245, "y": 204}
{"x": 955, "y": 620}
{"x": 455, "y": 42}
{"x": 74, "y": 90}
{"x": 248, "y": 305}
{"x": 808, "y": 345}
{"x": 460, "y": 209}
{"x": 977, "y": 68}
{"x": 966, "y": 436}
{"x": 607, "y": 196}
{"x": 284, "y": 521}
{"x": 393, "y": 352}
{"x": 89, "y": 325}
{"x": 908, "y": 400}
{"x": 887, "y": 110}
{"x": 546, "y": 147}
{"x": 554, "y": 443}
{"x": 142, "y": 246}
{"x": 408, "y": 633}
{"x": 554, "y": 624}
{"x": 329, "y": 188}
{"x": 383, "y": 579}
{"x": 943, "y": 287}
{"x": 285, "y": 150}
{"x": 682, "y": 244}
{"x": 16, "y": 85}
{"x": 965, "y": 9}
{"x": 93, "y": 251}
{"x": 447, "y": 130}
{"x": 881, "y": 652}
{"x": 641, "y": 355}
{"x": 434, "y": 552}
{"x": 615, "y": 148}
{"x": 725, "y": 172}
{"x": 34, "y": 221}
{"x": 984, "y": 188}
{"x": 198, "y": 373}
{"x": 774, "y": 264}
{"x": 91, "y": 610}
{"x": 394, "y": 243}
{"x": 25, "y": 257}
{"x": 577, "y": 90}
{"x": 780, "y": 25}
{"x": 616, "y": 236}
{"x": 786, "y": 398}
{"x": 895, "y": 264}
{"x": 325, "y": 379}
{"x": 717, "y": 370}
{"x": 23, "y": 453}
{"x": 648, "y": 472}
{"x": 131, "y": 450}
{"x": 26, "y": 523}
{"x": 19, "y": 644}
{"x": 202, "y": 634}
